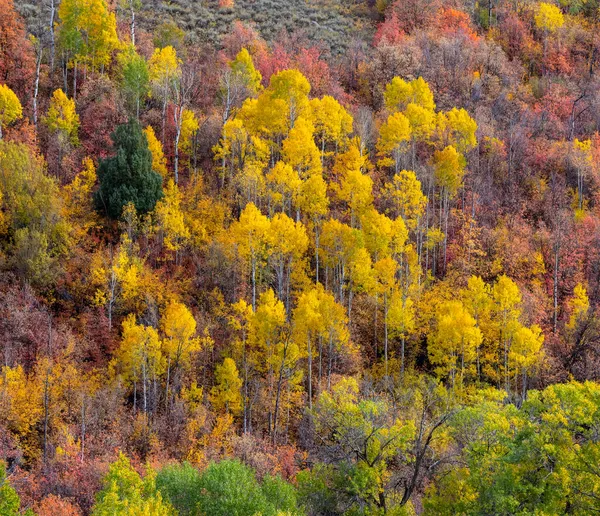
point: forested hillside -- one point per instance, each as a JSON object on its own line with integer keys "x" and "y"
{"x": 299, "y": 257}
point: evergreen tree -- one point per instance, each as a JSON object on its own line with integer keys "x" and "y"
{"x": 128, "y": 177}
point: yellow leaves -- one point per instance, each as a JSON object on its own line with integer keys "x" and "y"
{"x": 526, "y": 348}
{"x": 225, "y": 395}
{"x": 355, "y": 188}
{"x": 20, "y": 400}
{"x": 579, "y": 305}
{"x": 399, "y": 93}
{"x": 10, "y": 107}
{"x": 251, "y": 232}
{"x": 458, "y": 128}
{"x": 548, "y": 17}
{"x": 422, "y": 121}
{"x": 331, "y": 120}
{"x": 287, "y": 238}
{"x": 164, "y": 65}
{"x": 300, "y": 151}
{"x": 189, "y": 126}
{"x": 453, "y": 345}
{"x": 88, "y": 31}
{"x": 393, "y": 135}
{"x": 179, "y": 327}
{"x": 139, "y": 355}
{"x": 407, "y": 197}
{"x": 283, "y": 184}
{"x": 170, "y": 218}
{"x": 312, "y": 198}
{"x": 78, "y": 199}
{"x": 244, "y": 67}
{"x": 449, "y": 169}
{"x": 159, "y": 162}
{"x": 62, "y": 117}
{"x": 507, "y": 296}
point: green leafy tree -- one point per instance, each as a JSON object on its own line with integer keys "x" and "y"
{"x": 180, "y": 485}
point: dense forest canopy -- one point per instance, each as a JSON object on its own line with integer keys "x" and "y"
{"x": 299, "y": 258}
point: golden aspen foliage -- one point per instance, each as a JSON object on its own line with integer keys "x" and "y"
{"x": 400, "y": 93}
{"x": 170, "y": 219}
{"x": 579, "y": 305}
{"x": 393, "y": 135}
{"x": 452, "y": 347}
{"x": 283, "y": 185}
{"x": 10, "y": 107}
{"x": 449, "y": 167}
{"x": 406, "y": 197}
{"x": 332, "y": 122}
{"x": 179, "y": 328}
{"x": 139, "y": 357}
{"x": 355, "y": 188}
{"x": 548, "y": 17}
{"x": 225, "y": 395}
{"x": 300, "y": 151}
{"x": 62, "y": 118}
{"x": 457, "y": 128}
{"x": 159, "y": 162}
{"x": 79, "y": 206}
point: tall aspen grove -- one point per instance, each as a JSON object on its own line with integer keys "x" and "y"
{"x": 299, "y": 257}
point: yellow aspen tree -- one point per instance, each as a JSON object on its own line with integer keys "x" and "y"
{"x": 526, "y": 352}
{"x": 240, "y": 321}
{"x": 393, "y": 136}
{"x": 226, "y": 395}
{"x": 308, "y": 325}
{"x": 159, "y": 162}
{"x": 300, "y": 151}
{"x": 79, "y": 204}
{"x": 355, "y": 188}
{"x": 243, "y": 66}
{"x": 579, "y": 306}
{"x": 288, "y": 242}
{"x": 140, "y": 360}
{"x": 232, "y": 148}
{"x": 173, "y": 231}
{"x": 10, "y": 107}
{"x": 312, "y": 201}
{"x": 548, "y": 18}
{"x": 165, "y": 71}
{"x": 62, "y": 119}
{"x": 507, "y": 298}
{"x": 449, "y": 168}
{"x": 251, "y": 235}
{"x": 334, "y": 333}
{"x": 267, "y": 333}
{"x": 339, "y": 242}
{"x": 407, "y": 198}
{"x": 179, "y": 341}
{"x": 332, "y": 122}
{"x": 457, "y": 128}
{"x": 452, "y": 346}
{"x": 399, "y": 93}
{"x": 385, "y": 274}
{"x": 401, "y": 320}
{"x": 361, "y": 276}
{"x": 291, "y": 87}
{"x": 422, "y": 125}
{"x": 283, "y": 185}
{"x": 477, "y": 299}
